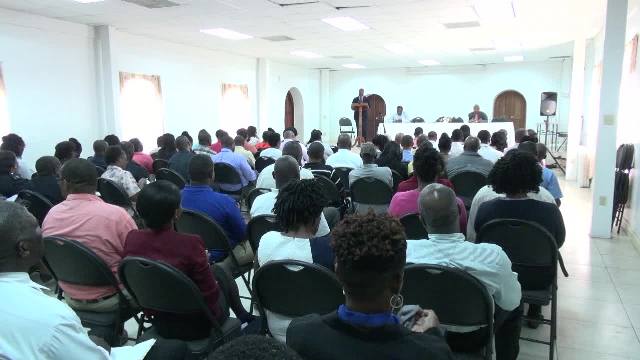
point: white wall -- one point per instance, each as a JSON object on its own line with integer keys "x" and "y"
{"x": 453, "y": 92}
{"x": 48, "y": 68}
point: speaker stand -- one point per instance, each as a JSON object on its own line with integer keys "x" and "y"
{"x": 546, "y": 138}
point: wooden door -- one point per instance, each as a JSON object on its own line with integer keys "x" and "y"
{"x": 288, "y": 110}
{"x": 512, "y": 106}
{"x": 377, "y": 112}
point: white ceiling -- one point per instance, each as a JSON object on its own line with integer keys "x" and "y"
{"x": 540, "y": 29}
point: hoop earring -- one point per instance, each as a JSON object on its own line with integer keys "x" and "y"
{"x": 396, "y": 302}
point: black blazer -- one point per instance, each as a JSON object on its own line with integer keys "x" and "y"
{"x": 483, "y": 116}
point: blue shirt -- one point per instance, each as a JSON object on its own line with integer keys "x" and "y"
{"x": 550, "y": 182}
{"x": 219, "y": 207}
{"x": 241, "y": 165}
{"x": 407, "y": 156}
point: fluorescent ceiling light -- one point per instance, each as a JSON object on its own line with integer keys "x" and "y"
{"x": 354, "y": 66}
{"x": 226, "y": 34}
{"x": 346, "y": 23}
{"x": 88, "y": 1}
{"x": 305, "y": 54}
{"x": 494, "y": 9}
{"x": 513, "y": 58}
{"x": 429, "y": 62}
{"x": 398, "y": 49}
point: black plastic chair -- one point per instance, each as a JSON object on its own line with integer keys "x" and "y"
{"x": 36, "y": 203}
{"x": 397, "y": 179}
{"x": 534, "y": 257}
{"x": 74, "y": 263}
{"x": 330, "y": 191}
{"x": 100, "y": 170}
{"x": 346, "y": 123}
{"x": 159, "y": 164}
{"x": 413, "y": 227}
{"x": 467, "y": 184}
{"x": 457, "y": 297}
{"x": 370, "y": 191}
{"x": 171, "y": 176}
{"x": 214, "y": 237}
{"x": 296, "y": 288}
{"x": 341, "y": 178}
{"x": 227, "y": 175}
{"x": 253, "y": 194}
{"x": 113, "y": 194}
{"x": 160, "y": 287}
{"x": 263, "y": 161}
{"x": 259, "y": 226}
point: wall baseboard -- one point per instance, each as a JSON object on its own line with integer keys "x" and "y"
{"x": 628, "y": 229}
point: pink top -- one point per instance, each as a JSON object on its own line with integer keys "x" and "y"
{"x": 144, "y": 160}
{"x": 100, "y": 226}
{"x": 405, "y": 203}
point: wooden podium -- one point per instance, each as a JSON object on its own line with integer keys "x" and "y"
{"x": 360, "y": 107}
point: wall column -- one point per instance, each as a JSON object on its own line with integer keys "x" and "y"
{"x": 262, "y": 81}
{"x": 106, "y": 78}
{"x": 325, "y": 108}
{"x": 576, "y": 101}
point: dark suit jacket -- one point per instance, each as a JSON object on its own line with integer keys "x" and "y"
{"x": 483, "y": 116}
{"x": 365, "y": 113}
{"x": 47, "y": 186}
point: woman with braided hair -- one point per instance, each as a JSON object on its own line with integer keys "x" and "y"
{"x": 298, "y": 209}
{"x": 370, "y": 253}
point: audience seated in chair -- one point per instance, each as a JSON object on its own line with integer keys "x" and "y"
{"x": 427, "y": 165}
{"x": 46, "y": 180}
{"x": 112, "y": 140}
{"x": 116, "y": 160}
{"x": 407, "y": 148}
{"x": 499, "y": 141}
{"x": 369, "y": 169}
{"x": 286, "y": 169}
{"x": 99, "y": 149}
{"x": 432, "y": 136}
{"x": 344, "y": 157}
{"x": 246, "y": 145}
{"x": 549, "y": 178}
{"x": 298, "y": 210}
{"x": 316, "y": 136}
{"x": 240, "y": 142}
{"x": 446, "y": 246}
{"x": 167, "y": 143}
{"x": 65, "y": 151}
{"x": 199, "y": 196}
{"x": 264, "y": 144}
{"x": 102, "y": 227}
{"x": 15, "y": 144}
{"x": 273, "y": 150}
{"x": 486, "y": 151}
{"x": 10, "y": 182}
{"x": 457, "y": 143}
{"x": 239, "y": 163}
{"x": 266, "y": 179}
{"x": 137, "y": 170}
{"x": 204, "y": 144}
{"x": 391, "y": 157}
{"x": 518, "y": 136}
{"x": 142, "y": 159}
{"x": 370, "y": 258}
{"x": 159, "y": 206}
{"x": 316, "y": 163}
{"x": 469, "y": 160}
{"x": 444, "y": 146}
{"x": 179, "y": 162}
{"x": 515, "y": 175}
{"x": 290, "y": 135}
{"x": 217, "y": 147}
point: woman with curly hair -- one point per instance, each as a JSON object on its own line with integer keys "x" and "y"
{"x": 370, "y": 258}
{"x": 298, "y": 210}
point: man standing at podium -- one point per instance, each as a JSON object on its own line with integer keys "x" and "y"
{"x": 361, "y": 99}
{"x": 477, "y": 116}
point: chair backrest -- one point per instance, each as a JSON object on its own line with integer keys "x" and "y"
{"x": 530, "y": 247}
{"x": 100, "y": 170}
{"x": 295, "y": 288}
{"x": 624, "y": 157}
{"x": 159, "y": 164}
{"x": 158, "y": 286}
{"x": 171, "y": 176}
{"x": 74, "y": 263}
{"x": 262, "y": 162}
{"x": 330, "y": 190}
{"x": 417, "y": 120}
{"x": 226, "y": 174}
{"x": 193, "y": 222}
{"x": 112, "y": 193}
{"x": 371, "y": 191}
{"x": 253, "y": 194}
{"x": 36, "y": 203}
{"x": 456, "y": 296}
{"x": 413, "y": 227}
{"x": 397, "y": 179}
{"x": 259, "y": 226}
{"x": 345, "y": 122}
{"x": 334, "y": 148}
{"x": 467, "y": 183}
{"x": 342, "y": 173}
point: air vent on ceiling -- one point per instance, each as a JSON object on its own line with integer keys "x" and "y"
{"x": 461, "y": 25}
{"x": 153, "y": 4}
{"x": 559, "y": 57}
{"x": 285, "y": 3}
{"x": 479, "y": 49}
{"x": 341, "y": 57}
{"x": 277, "y": 38}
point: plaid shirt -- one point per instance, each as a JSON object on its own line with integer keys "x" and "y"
{"x": 123, "y": 178}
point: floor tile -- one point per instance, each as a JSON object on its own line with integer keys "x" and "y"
{"x": 624, "y": 276}
{"x": 587, "y": 272}
{"x": 622, "y": 262}
{"x": 593, "y": 311}
{"x": 585, "y": 289}
{"x": 606, "y": 339}
{"x": 629, "y": 294}
{"x": 566, "y": 353}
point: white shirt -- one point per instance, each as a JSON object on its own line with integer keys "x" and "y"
{"x": 24, "y": 169}
{"x": 490, "y": 153}
{"x": 38, "y": 326}
{"x": 399, "y": 118}
{"x": 266, "y": 180}
{"x": 345, "y": 158}
{"x": 273, "y": 153}
{"x": 457, "y": 148}
{"x": 486, "y": 262}
{"x": 263, "y": 205}
{"x": 486, "y": 194}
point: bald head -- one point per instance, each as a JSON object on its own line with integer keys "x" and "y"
{"x": 439, "y": 209}
{"x": 288, "y": 134}
{"x": 285, "y": 169}
{"x": 293, "y": 149}
{"x": 21, "y": 240}
{"x": 344, "y": 141}
{"x": 472, "y": 144}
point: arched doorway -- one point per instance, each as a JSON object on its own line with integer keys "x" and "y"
{"x": 288, "y": 110}
{"x": 294, "y": 110}
{"x": 511, "y": 106}
{"x": 377, "y": 112}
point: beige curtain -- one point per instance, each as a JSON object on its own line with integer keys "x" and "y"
{"x": 4, "y": 113}
{"x": 236, "y": 88}
{"x": 154, "y": 79}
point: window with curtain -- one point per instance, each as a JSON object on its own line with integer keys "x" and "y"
{"x": 235, "y": 107}
{"x": 4, "y": 112}
{"x": 141, "y": 108}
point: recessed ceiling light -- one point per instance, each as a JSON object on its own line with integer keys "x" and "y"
{"x": 353, "y": 66}
{"x": 305, "y": 54}
{"x": 88, "y": 1}
{"x": 429, "y": 62}
{"x": 398, "y": 49}
{"x": 226, "y": 34}
{"x": 513, "y": 58}
{"x": 346, "y": 23}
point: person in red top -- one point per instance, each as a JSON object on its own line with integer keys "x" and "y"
{"x": 217, "y": 147}
{"x": 264, "y": 144}
{"x": 159, "y": 207}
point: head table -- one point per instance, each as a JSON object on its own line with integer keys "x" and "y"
{"x": 391, "y": 129}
